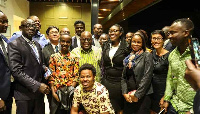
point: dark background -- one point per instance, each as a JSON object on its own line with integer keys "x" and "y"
{"x": 163, "y": 14}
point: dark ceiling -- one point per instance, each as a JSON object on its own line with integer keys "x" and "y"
{"x": 71, "y": 1}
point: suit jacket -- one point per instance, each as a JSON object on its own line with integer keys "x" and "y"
{"x": 74, "y": 43}
{"x": 26, "y": 70}
{"x": 143, "y": 71}
{"x": 4, "y": 74}
{"x": 47, "y": 51}
{"x": 114, "y": 72}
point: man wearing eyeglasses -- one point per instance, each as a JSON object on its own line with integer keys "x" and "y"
{"x": 51, "y": 48}
{"x": 38, "y": 37}
{"x": 88, "y": 53}
{"x": 5, "y": 81}
{"x": 26, "y": 65}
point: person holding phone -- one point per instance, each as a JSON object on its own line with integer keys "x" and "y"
{"x": 192, "y": 75}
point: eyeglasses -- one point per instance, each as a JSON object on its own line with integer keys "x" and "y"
{"x": 54, "y": 33}
{"x": 3, "y": 21}
{"x": 29, "y": 25}
{"x": 157, "y": 38}
{"x": 84, "y": 39}
{"x": 110, "y": 31}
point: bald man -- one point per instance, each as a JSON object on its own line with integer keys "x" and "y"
{"x": 88, "y": 53}
{"x": 38, "y": 37}
{"x": 64, "y": 30}
{"x": 5, "y": 83}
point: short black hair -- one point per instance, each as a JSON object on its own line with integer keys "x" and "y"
{"x": 88, "y": 67}
{"x": 189, "y": 25}
{"x": 79, "y": 22}
{"x": 51, "y": 27}
{"x": 161, "y": 32}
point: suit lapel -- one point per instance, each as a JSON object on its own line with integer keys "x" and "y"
{"x": 139, "y": 59}
{"x": 120, "y": 50}
{"x": 39, "y": 51}
{"x": 50, "y": 48}
{"x": 25, "y": 43}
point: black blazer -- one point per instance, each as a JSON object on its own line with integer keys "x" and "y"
{"x": 114, "y": 71}
{"x": 47, "y": 51}
{"x": 4, "y": 75}
{"x": 143, "y": 71}
{"x": 26, "y": 70}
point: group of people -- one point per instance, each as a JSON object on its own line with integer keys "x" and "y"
{"x": 103, "y": 73}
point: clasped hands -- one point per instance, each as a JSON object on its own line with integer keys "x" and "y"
{"x": 130, "y": 98}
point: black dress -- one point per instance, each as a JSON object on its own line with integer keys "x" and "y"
{"x": 113, "y": 73}
{"x": 138, "y": 78}
{"x": 159, "y": 79}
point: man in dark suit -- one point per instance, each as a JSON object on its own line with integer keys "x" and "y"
{"x": 51, "y": 48}
{"x": 5, "y": 81}
{"x": 26, "y": 65}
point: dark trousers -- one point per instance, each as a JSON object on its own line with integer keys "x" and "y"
{"x": 35, "y": 106}
{"x": 171, "y": 110}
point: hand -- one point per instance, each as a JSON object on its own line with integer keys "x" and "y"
{"x": 133, "y": 98}
{"x": 188, "y": 112}
{"x": 165, "y": 105}
{"x": 56, "y": 96}
{"x": 192, "y": 75}
{"x": 44, "y": 88}
{"x": 127, "y": 98}
{"x": 161, "y": 101}
{"x": 2, "y": 105}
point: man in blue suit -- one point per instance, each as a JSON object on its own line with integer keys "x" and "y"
{"x": 5, "y": 80}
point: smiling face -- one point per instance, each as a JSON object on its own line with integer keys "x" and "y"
{"x": 53, "y": 35}
{"x": 114, "y": 33}
{"x": 177, "y": 34}
{"x": 86, "y": 40}
{"x": 136, "y": 43}
{"x": 103, "y": 38}
{"x": 65, "y": 42}
{"x": 157, "y": 41}
{"x": 29, "y": 28}
{"x": 128, "y": 37}
{"x": 87, "y": 79}
{"x": 37, "y": 22}
{"x": 3, "y": 23}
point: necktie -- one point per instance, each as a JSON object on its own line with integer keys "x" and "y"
{"x": 33, "y": 46}
{"x": 4, "y": 49}
{"x": 56, "y": 48}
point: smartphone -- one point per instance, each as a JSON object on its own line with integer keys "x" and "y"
{"x": 47, "y": 74}
{"x": 195, "y": 51}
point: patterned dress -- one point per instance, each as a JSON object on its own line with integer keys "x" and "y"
{"x": 95, "y": 101}
{"x": 64, "y": 70}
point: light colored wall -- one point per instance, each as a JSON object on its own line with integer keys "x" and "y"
{"x": 15, "y": 10}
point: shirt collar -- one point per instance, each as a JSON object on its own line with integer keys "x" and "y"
{"x": 83, "y": 51}
{"x": 78, "y": 37}
{"x": 185, "y": 53}
{"x": 38, "y": 34}
{"x": 92, "y": 90}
